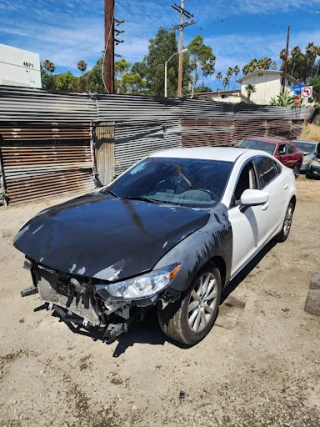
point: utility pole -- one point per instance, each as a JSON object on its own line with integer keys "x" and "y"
{"x": 109, "y": 42}
{"x": 183, "y": 13}
{"x": 109, "y": 45}
{"x": 286, "y": 61}
{"x": 180, "y": 72}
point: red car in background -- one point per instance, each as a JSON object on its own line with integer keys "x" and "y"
{"x": 284, "y": 151}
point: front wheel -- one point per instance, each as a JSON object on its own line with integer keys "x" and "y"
{"x": 286, "y": 227}
{"x": 191, "y": 318}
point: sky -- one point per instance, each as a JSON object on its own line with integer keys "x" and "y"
{"x": 237, "y": 30}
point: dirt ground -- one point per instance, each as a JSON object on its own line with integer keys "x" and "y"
{"x": 259, "y": 366}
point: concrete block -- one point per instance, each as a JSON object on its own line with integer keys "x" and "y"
{"x": 312, "y": 305}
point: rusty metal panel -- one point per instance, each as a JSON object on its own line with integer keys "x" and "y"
{"x": 37, "y": 166}
{"x": 278, "y": 128}
{"x": 135, "y": 141}
{"x": 245, "y": 128}
{"x": 206, "y": 133}
{"x": 104, "y": 149}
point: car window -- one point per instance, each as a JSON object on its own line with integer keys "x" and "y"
{"x": 247, "y": 180}
{"x": 253, "y": 144}
{"x": 185, "y": 182}
{"x": 267, "y": 170}
{"x": 291, "y": 149}
{"x": 305, "y": 147}
{"x": 282, "y": 150}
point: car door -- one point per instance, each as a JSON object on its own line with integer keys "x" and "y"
{"x": 282, "y": 154}
{"x": 245, "y": 227}
{"x": 292, "y": 156}
{"x": 271, "y": 179}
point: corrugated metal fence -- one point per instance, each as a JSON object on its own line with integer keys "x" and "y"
{"x": 52, "y": 143}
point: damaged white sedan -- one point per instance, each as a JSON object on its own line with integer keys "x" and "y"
{"x": 171, "y": 232}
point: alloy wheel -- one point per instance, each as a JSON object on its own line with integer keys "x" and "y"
{"x": 288, "y": 220}
{"x": 202, "y": 302}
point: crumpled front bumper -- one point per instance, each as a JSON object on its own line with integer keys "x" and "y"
{"x": 79, "y": 303}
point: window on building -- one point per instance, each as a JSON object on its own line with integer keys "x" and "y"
{"x": 260, "y": 74}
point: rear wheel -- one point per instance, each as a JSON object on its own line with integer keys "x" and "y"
{"x": 286, "y": 227}
{"x": 296, "y": 170}
{"x": 190, "y": 319}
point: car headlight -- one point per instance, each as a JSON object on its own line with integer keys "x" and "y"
{"x": 306, "y": 160}
{"x": 144, "y": 286}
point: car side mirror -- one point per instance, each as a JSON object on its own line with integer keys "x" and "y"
{"x": 254, "y": 198}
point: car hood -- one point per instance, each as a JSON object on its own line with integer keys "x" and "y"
{"x": 104, "y": 237}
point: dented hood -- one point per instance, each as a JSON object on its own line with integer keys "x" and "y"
{"x": 104, "y": 237}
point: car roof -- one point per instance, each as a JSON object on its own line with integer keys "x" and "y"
{"x": 271, "y": 141}
{"x": 304, "y": 140}
{"x": 225, "y": 154}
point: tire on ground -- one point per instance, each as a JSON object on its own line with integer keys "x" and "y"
{"x": 173, "y": 319}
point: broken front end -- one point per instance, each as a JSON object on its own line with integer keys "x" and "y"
{"x": 91, "y": 302}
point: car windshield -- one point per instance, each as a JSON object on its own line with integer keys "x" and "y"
{"x": 184, "y": 182}
{"x": 305, "y": 147}
{"x": 257, "y": 145}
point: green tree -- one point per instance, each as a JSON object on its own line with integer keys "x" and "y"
{"x": 132, "y": 83}
{"x": 225, "y": 82}
{"x": 48, "y": 80}
{"x": 65, "y": 81}
{"x": 92, "y": 80}
{"x": 202, "y": 89}
{"x": 219, "y": 77}
{"x": 202, "y": 59}
{"x": 246, "y": 70}
{"x": 315, "y": 82}
{"x": 250, "y": 88}
{"x": 229, "y": 74}
{"x": 49, "y": 66}
{"x": 82, "y": 65}
{"x": 236, "y": 71}
{"x": 120, "y": 67}
{"x": 140, "y": 68}
{"x": 160, "y": 50}
{"x": 274, "y": 65}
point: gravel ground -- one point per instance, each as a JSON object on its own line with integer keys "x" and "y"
{"x": 259, "y": 366}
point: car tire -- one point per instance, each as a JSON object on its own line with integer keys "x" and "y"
{"x": 286, "y": 226}
{"x": 190, "y": 319}
{"x": 309, "y": 175}
{"x": 296, "y": 170}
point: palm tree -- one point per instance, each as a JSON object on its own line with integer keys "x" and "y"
{"x": 246, "y": 70}
{"x": 274, "y": 65}
{"x": 82, "y": 65}
{"x": 236, "y": 71}
{"x": 225, "y": 82}
{"x": 283, "y": 55}
{"x": 219, "y": 77}
{"x": 250, "y": 89}
{"x": 266, "y": 63}
{"x": 253, "y": 65}
{"x": 49, "y": 66}
{"x": 229, "y": 75}
{"x": 295, "y": 53}
{"x": 311, "y": 53}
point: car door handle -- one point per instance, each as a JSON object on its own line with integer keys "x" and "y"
{"x": 285, "y": 186}
{"x": 265, "y": 206}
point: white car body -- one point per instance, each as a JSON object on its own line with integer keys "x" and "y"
{"x": 255, "y": 226}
